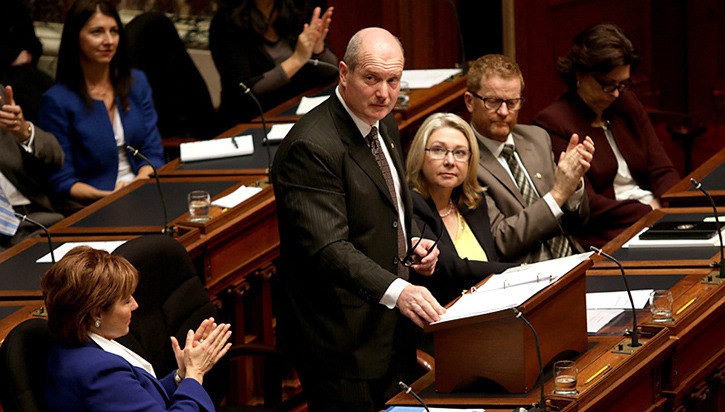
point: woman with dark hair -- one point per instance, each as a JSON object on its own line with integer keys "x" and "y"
{"x": 630, "y": 170}
{"x": 98, "y": 106}
{"x": 88, "y": 295}
{"x": 268, "y": 45}
{"x": 447, "y": 198}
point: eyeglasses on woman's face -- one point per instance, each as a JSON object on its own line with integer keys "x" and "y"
{"x": 609, "y": 85}
{"x": 439, "y": 153}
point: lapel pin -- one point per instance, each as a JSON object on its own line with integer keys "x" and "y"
{"x": 538, "y": 175}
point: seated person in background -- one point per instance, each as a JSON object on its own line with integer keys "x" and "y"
{"x": 20, "y": 51}
{"x": 181, "y": 96}
{"x": 631, "y": 170}
{"x": 98, "y": 106}
{"x": 533, "y": 201}
{"x": 27, "y": 156}
{"x": 441, "y": 172}
{"x": 89, "y": 302}
{"x": 267, "y": 45}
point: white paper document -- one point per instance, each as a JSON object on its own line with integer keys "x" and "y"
{"x": 598, "y": 318}
{"x": 279, "y": 131}
{"x": 236, "y": 197}
{"x": 512, "y": 287}
{"x": 60, "y": 251}
{"x": 217, "y": 148}
{"x": 423, "y": 79}
{"x": 618, "y": 299}
{"x": 309, "y": 103}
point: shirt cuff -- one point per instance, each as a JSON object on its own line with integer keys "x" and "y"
{"x": 555, "y": 209}
{"x": 28, "y": 144}
{"x": 390, "y": 298}
{"x": 575, "y": 200}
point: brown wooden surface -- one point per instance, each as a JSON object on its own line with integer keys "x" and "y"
{"x": 27, "y": 309}
{"x": 680, "y": 194}
{"x": 67, "y": 225}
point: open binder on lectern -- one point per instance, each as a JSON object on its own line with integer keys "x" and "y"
{"x": 479, "y": 339}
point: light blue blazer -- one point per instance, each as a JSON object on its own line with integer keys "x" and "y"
{"x": 87, "y": 378}
{"x": 86, "y": 134}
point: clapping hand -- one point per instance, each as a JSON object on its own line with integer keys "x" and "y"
{"x": 202, "y": 350}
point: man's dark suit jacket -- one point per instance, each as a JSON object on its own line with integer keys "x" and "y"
{"x": 28, "y": 171}
{"x": 338, "y": 244}
{"x": 454, "y": 274}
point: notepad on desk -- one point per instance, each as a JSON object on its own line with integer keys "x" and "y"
{"x": 217, "y": 148}
{"x": 309, "y": 103}
{"x": 279, "y": 131}
{"x": 680, "y": 230}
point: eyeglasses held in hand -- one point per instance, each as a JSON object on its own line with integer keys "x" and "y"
{"x": 440, "y": 153}
{"x": 609, "y": 87}
{"x": 493, "y": 103}
{"x": 411, "y": 258}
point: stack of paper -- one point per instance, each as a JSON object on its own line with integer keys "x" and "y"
{"x": 279, "y": 131}
{"x": 217, "y": 148}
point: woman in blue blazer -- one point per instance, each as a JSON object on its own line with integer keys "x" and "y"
{"x": 98, "y": 107}
{"x": 89, "y": 302}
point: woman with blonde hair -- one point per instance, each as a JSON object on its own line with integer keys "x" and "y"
{"x": 447, "y": 199}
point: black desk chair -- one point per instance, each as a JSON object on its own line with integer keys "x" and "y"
{"x": 23, "y": 357}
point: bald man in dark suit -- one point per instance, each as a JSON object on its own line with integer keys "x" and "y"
{"x": 345, "y": 306}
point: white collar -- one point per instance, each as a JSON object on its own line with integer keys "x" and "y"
{"x": 361, "y": 124}
{"x": 111, "y": 346}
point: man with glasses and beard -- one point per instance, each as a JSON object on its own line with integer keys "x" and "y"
{"x": 533, "y": 200}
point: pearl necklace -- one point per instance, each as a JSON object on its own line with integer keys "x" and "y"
{"x": 450, "y": 209}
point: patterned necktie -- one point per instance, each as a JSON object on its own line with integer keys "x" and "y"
{"x": 374, "y": 144}
{"x": 558, "y": 245}
{"x": 8, "y": 222}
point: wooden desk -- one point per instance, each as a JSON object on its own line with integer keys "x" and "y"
{"x": 672, "y": 362}
{"x": 641, "y": 257}
{"x": 712, "y": 176}
{"x": 254, "y": 164}
{"x": 136, "y": 209}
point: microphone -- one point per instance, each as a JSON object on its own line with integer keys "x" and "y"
{"x": 135, "y": 153}
{"x": 541, "y": 406}
{"x": 246, "y": 90}
{"x": 407, "y": 389}
{"x": 698, "y": 186}
{"x": 24, "y": 218}
{"x": 318, "y": 62}
{"x": 635, "y": 341}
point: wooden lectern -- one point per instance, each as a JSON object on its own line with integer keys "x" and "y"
{"x": 501, "y": 348}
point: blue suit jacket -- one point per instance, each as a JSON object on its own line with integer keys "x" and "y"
{"x": 87, "y": 378}
{"x": 86, "y": 134}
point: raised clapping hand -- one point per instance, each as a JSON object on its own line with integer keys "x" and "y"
{"x": 312, "y": 38}
{"x": 573, "y": 164}
{"x": 202, "y": 350}
{"x": 11, "y": 116}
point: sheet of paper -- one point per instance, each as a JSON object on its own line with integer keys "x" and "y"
{"x": 60, "y": 251}
{"x": 598, "y": 318}
{"x": 236, "y": 197}
{"x": 216, "y": 148}
{"x": 423, "y": 79}
{"x": 618, "y": 299}
{"x": 512, "y": 287}
{"x": 279, "y": 131}
{"x": 309, "y": 103}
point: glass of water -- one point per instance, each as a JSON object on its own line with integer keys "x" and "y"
{"x": 660, "y": 302}
{"x": 199, "y": 205}
{"x": 565, "y": 378}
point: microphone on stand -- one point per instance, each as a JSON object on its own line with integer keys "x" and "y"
{"x": 635, "y": 341}
{"x": 698, "y": 186}
{"x": 407, "y": 389}
{"x": 135, "y": 153}
{"x": 265, "y": 142}
{"x": 541, "y": 406}
{"x": 318, "y": 62}
{"x": 24, "y": 218}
